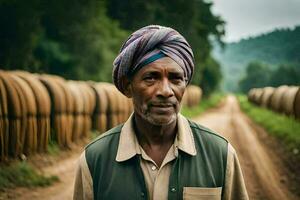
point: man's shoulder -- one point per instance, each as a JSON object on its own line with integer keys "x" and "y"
{"x": 105, "y": 140}
{"x": 202, "y": 132}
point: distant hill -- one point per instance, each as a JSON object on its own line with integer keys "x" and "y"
{"x": 274, "y": 48}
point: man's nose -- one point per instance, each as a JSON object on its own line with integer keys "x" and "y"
{"x": 165, "y": 89}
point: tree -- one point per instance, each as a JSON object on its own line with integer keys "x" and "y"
{"x": 286, "y": 74}
{"x": 193, "y": 19}
{"x": 257, "y": 75}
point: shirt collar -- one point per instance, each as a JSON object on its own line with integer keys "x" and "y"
{"x": 128, "y": 143}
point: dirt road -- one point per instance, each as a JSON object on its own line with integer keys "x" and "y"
{"x": 263, "y": 171}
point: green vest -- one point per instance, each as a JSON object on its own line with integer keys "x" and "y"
{"x": 124, "y": 180}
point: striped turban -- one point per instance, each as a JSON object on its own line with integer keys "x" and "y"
{"x": 147, "y": 45}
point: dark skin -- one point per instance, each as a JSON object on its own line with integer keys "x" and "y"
{"x": 157, "y": 90}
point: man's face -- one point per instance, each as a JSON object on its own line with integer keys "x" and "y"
{"x": 157, "y": 90}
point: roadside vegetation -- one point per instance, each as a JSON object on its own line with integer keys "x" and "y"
{"x": 206, "y": 103}
{"x": 21, "y": 174}
{"x": 286, "y": 129}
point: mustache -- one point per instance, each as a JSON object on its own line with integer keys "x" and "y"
{"x": 163, "y": 103}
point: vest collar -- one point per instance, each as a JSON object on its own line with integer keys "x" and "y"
{"x": 128, "y": 143}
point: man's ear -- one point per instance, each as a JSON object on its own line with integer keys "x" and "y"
{"x": 127, "y": 87}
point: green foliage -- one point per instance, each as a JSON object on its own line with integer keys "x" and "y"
{"x": 274, "y": 48}
{"x": 257, "y": 75}
{"x": 205, "y": 104}
{"x": 22, "y": 174}
{"x": 194, "y": 20}
{"x": 80, "y": 39}
{"x": 284, "y": 128}
{"x": 286, "y": 74}
{"x": 211, "y": 76}
{"x": 260, "y": 75}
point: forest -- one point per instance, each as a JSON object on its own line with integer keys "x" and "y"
{"x": 270, "y": 59}
{"x": 80, "y": 39}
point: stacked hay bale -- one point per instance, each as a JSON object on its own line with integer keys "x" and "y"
{"x": 89, "y": 106}
{"x": 192, "y": 96}
{"x": 250, "y": 94}
{"x": 276, "y": 98}
{"x": 101, "y": 108}
{"x": 267, "y": 92}
{"x": 43, "y": 108}
{"x": 16, "y": 114}
{"x": 59, "y": 118}
{"x": 257, "y": 96}
{"x": 68, "y": 110}
{"x": 78, "y": 114}
{"x": 114, "y": 106}
{"x": 4, "y": 123}
{"x": 288, "y": 99}
{"x": 29, "y": 137}
{"x": 284, "y": 99}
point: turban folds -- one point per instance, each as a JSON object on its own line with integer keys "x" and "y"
{"x": 147, "y": 43}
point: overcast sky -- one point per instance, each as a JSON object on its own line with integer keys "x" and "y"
{"x": 250, "y": 17}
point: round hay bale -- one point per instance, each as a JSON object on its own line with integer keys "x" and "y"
{"x": 101, "y": 107}
{"x": 257, "y": 95}
{"x": 297, "y": 104}
{"x": 251, "y": 94}
{"x": 184, "y": 99}
{"x": 58, "y": 109}
{"x": 69, "y": 110}
{"x": 194, "y": 94}
{"x": 87, "y": 107}
{"x": 43, "y": 106}
{"x": 78, "y": 110}
{"x": 30, "y": 136}
{"x": 112, "y": 110}
{"x": 266, "y": 96}
{"x": 4, "y": 128}
{"x": 287, "y": 100}
{"x": 16, "y": 115}
{"x": 276, "y": 97}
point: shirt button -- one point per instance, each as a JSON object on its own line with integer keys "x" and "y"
{"x": 153, "y": 167}
{"x": 142, "y": 194}
{"x": 173, "y": 189}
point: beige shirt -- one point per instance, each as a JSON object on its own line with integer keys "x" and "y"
{"x": 157, "y": 178}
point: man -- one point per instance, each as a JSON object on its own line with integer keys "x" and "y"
{"x": 158, "y": 154}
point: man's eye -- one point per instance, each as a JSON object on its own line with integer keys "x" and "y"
{"x": 177, "y": 78}
{"x": 149, "y": 78}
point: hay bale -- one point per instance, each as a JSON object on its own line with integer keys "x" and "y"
{"x": 68, "y": 111}
{"x": 58, "y": 109}
{"x": 251, "y": 95}
{"x": 257, "y": 95}
{"x": 113, "y": 106}
{"x": 288, "y": 99}
{"x": 30, "y": 137}
{"x": 86, "y": 96}
{"x": 101, "y": 108}
{"x": 297, "y": 104}
{"x": 43, "y": 106}
{"x": 16, "y": 115}
{"x": 4, "y": 124}
{"x": 276, "y": 98}
{"x": 194, "y": 94}
{"x": 266, "y": 96}
{"x": 78, "y": 111}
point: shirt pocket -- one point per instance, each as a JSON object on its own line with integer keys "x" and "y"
{"x": 201, "y": 193}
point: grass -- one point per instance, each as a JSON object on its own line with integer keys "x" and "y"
{"x": 204, "y": 105}
{"x": 22, "y": 174}
{"x": 282, "y": 127}
{"x": 53, "y": 148}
